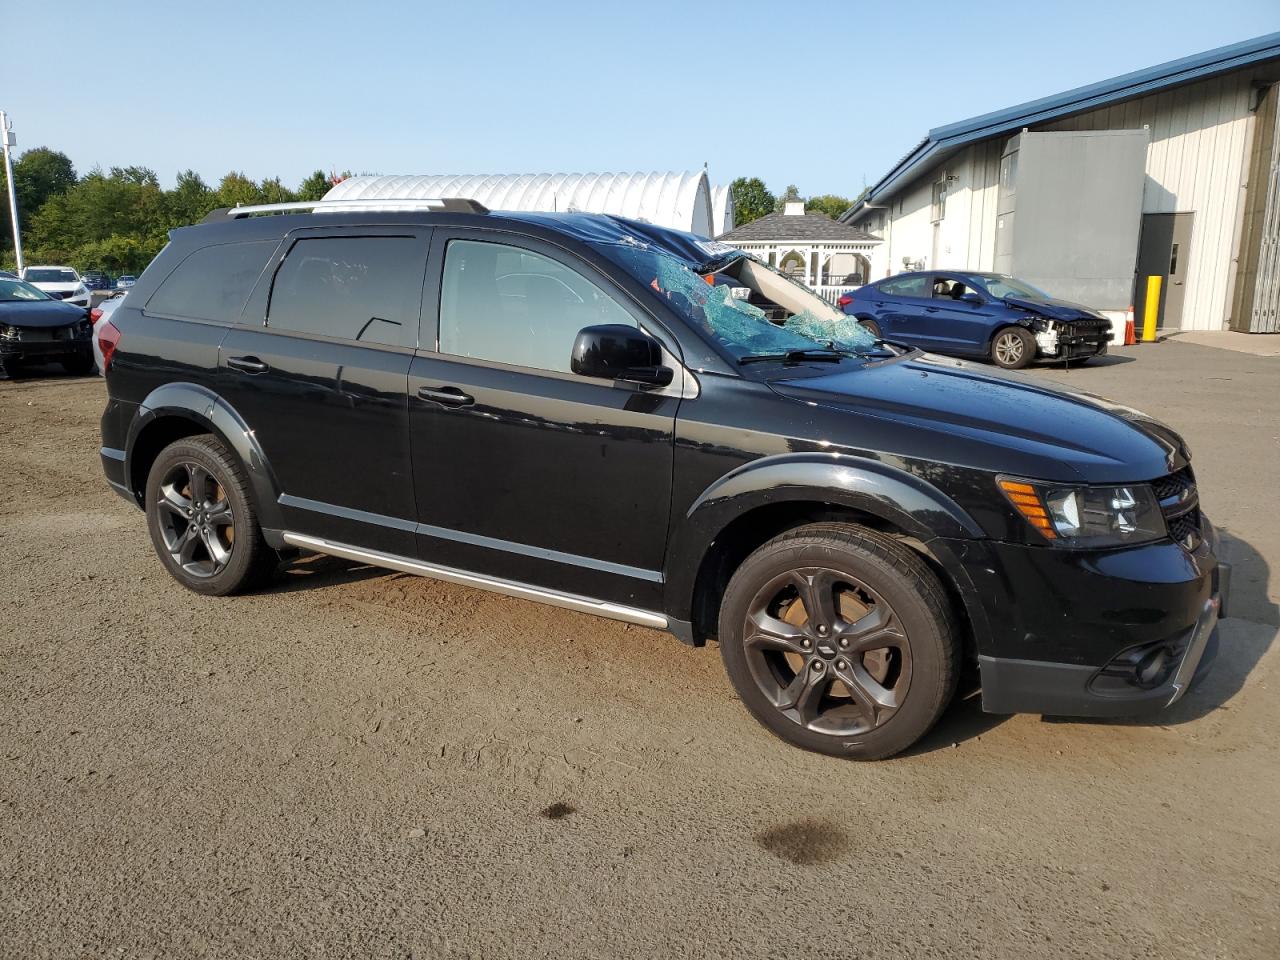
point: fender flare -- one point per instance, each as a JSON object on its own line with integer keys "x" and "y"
{"x": 893, "y": 495}
{"x": 200, "y": 405}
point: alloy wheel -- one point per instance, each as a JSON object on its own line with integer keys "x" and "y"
{"x": 827, "y": 651}
{"x": 1009, "y": 347}
{"x": 195, "y": 519}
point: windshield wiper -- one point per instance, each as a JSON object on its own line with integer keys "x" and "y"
{"x": 826, "y": 355}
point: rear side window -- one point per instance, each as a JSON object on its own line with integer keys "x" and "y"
{"x": 354, "y": 288}
{"x": 515, "y": 306}
{"x": 213, "y": 283}
{"x": 906, "y": 287}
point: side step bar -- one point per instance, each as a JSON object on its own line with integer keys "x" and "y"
{"x": 510, "y": 588}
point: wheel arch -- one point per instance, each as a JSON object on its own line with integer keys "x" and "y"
{"x": 177, "y": 410}
{"x": 755, "y": 503}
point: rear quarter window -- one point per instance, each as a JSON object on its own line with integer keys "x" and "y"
{"x": 213, "y": 283}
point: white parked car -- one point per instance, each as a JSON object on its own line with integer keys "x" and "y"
{"x": 60, "y": 282}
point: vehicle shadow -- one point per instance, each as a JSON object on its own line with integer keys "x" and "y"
{"x": 312, "y": 571}
{"x": 963, "y": 720}
{"x": 41, "y": 372}
{"x": 1093, "y": 363}
{"x": 1244, "y": 638}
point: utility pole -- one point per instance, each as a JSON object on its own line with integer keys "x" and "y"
{"x": 10, "y": 141}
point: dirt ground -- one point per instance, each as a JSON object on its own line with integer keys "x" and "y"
{"x": 364, "y": 764}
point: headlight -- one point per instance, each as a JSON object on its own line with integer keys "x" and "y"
{"x": 1087, "y": 516}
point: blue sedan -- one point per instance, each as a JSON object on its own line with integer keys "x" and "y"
{"x": 978, "y": 315}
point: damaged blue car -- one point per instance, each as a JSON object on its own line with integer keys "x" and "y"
{"x": 978, "y": 315}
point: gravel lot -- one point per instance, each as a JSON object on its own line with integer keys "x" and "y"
{"x": 365, "y": 764}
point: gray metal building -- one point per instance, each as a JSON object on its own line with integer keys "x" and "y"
{"x": 1172, "y": 171}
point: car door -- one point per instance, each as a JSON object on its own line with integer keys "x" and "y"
{"x": 953, "y": 324}
{"x": 318, "y": 370}
{"x": 904, "y": 311}
{"x": 525, "y": 471}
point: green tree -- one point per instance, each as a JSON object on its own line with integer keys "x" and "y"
{"x": 828, "y": 203}
{"x": 190, "y": 200}
{"x": 790, "y": 194}
{"x": 751, "y": 200}
{"x": 38, "y": 174}
{"x": 314, "y": 187}
{"x": 237, "y": 189}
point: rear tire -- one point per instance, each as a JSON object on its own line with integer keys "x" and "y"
{"x": 1012, "y": 348}
{"x": 873, "y": 328}
{"x": 840, "y": 640}
{"x": 202, "y": 519}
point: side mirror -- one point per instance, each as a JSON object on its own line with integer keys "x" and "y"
{"x": 970, "y": 297}
{"x": 615, "y": 351}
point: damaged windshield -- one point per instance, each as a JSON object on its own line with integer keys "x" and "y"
{"x": 753, "y": 312}
{"x": 1001, "y": 286}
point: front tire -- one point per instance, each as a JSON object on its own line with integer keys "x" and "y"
{"x": 202, "y": 519}
{"x": 840, "y": 640}
{"x": 1012, "y": 348}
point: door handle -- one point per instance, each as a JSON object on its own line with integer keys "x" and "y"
{"x": 446, "y": 396}
{"x": 932, "y": 309}
{"x": 247, "y": 364}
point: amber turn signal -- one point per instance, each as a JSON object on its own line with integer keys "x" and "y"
{"x": 1026, "y": 500}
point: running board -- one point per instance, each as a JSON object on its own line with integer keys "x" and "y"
{"x": 510, "y": 588}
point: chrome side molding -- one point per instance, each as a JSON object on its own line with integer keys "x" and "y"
{"x": 510, "y": 588}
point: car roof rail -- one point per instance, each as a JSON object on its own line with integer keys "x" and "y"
{"x": 440, "y": 205}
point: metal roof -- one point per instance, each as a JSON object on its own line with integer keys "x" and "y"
{"x": 946, "y": 140}
{"x": 790, "y": 227}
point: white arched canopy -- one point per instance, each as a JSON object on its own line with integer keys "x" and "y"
{"x": 722, "y": 214}
{"x": 681, "y": 201}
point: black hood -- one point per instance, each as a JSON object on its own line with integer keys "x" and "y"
{"x": 1055, "y": 309}
{"x": 1005, "y": 423}
{"x": 40, "y": 313}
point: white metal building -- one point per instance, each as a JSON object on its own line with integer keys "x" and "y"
{"x": 1209, "y": 194}
{"x": 682, "y": 201}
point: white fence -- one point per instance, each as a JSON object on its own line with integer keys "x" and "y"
{"x": 831, "y": 293}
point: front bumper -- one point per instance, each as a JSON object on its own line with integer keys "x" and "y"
{"x": 1095, "y": 633}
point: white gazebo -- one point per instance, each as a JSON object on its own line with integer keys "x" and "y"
{"x": 825, "y": 255}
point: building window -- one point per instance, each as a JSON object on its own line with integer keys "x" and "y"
{"x": 939, "y": 209}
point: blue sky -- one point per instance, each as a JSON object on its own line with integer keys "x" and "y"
{"x": 820, "y": 95}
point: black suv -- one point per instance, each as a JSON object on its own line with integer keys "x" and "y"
{"x": 647, "y": 425}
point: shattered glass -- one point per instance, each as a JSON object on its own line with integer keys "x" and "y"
{"x": 742, "y": 328}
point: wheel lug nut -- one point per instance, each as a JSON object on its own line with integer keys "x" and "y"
{"x": 806, "y": 644}
{"x": 822, "y": 629}
{"x": 840, "y": 664}
{"x": 844, "y": 642}
{"x": 817, "y": 666}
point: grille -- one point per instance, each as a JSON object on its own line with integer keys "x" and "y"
{"x": 1180, "y": 505}
{"x": 1174, "y": 485}
{"x": 1186, "y": 528}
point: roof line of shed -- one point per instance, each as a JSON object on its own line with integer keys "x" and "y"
{"x": 951, "y": 137}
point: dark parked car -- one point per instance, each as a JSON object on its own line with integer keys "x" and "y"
{"x": 96, "y": 280}
{"x": 981, "y": 315}
{"x": 37, "y": 327}
{"x": 598, "y": 413}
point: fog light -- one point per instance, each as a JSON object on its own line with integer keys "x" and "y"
{"x": 1153, "y": 668}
